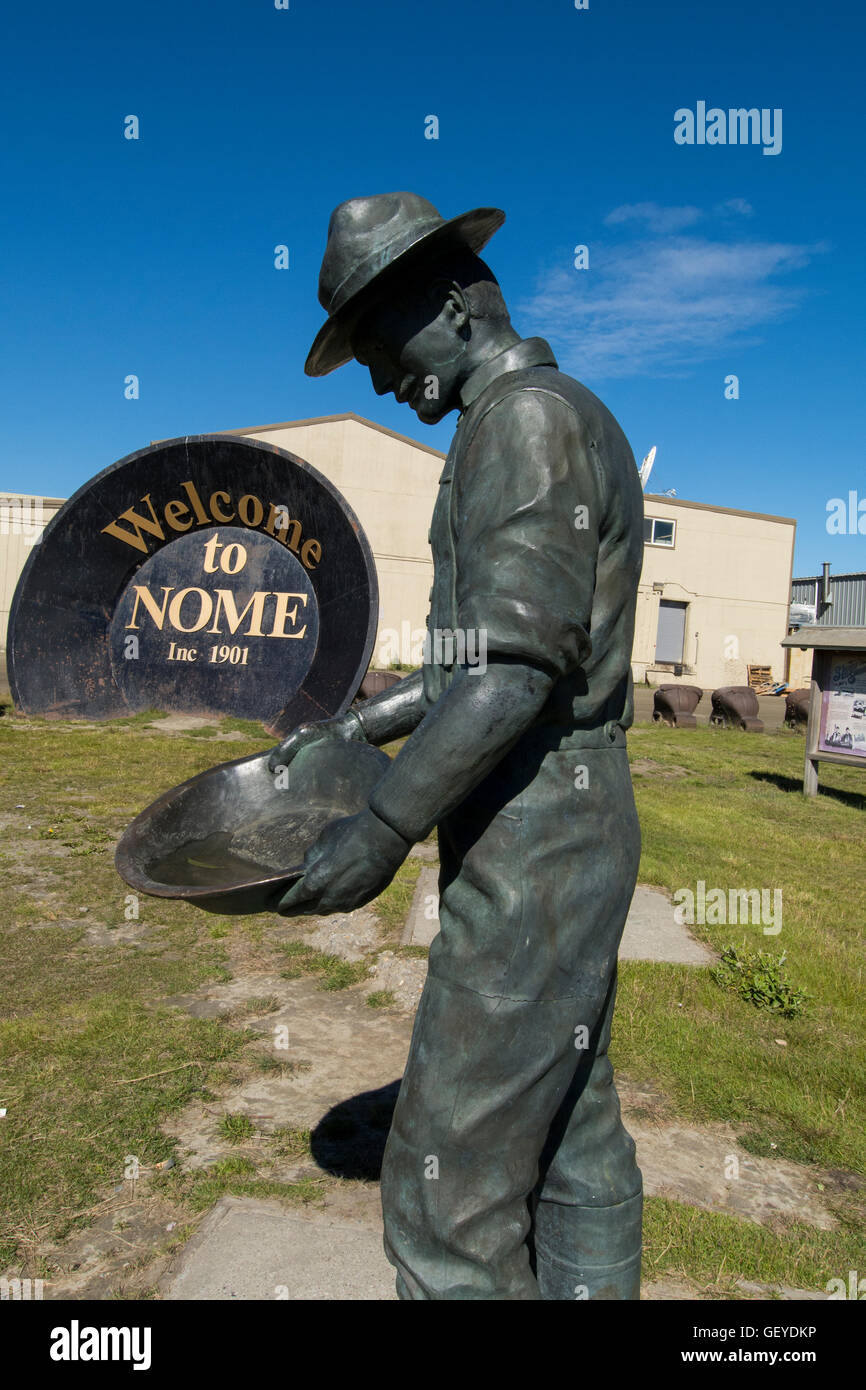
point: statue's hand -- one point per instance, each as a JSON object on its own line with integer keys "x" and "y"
{"x": 352, "y": 862}
{"x": 342, "y": 727}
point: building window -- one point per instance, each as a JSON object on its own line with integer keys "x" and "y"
{"x": 658, "y": 532}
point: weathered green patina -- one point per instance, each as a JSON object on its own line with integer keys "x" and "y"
{"x": 508, "y": 1173}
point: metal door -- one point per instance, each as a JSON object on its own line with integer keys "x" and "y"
{"x": 671, "y": 630}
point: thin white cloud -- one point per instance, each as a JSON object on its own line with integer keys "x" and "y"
{"x": 657, "y": 305}
{"x": 657, "y": 218}
{"x": 735, "y": 205}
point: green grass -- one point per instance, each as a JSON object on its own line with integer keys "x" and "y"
{"x": 250, "y": 728}
{"x": 92, "y": 1062}
{"x": 334, "y": 972}
{"x": 393, "y": 905}
{"x": 234, "y": 1177}
{"x": 740, "y": 821}
{"x": 236, "y": 1128}
{"x": 78, "y": 1022}
{"x": 760, "y": 978}
{"x": 76, "y": 1111}
{"x": 291, "y": 1143}
{"x": 381, "y": 999}
{"x": 261, "y": 1004}
{"x": 129, "y": 721}
{"x": 271, "y": 1065}
{"x": 714, "y": 1250}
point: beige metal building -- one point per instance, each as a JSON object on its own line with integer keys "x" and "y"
{"x": 390, "y": 482}
{"x": 22, "y": 519}
{"x": 714, "y": 593}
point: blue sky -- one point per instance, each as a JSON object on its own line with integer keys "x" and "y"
{"x": 156, "y": 256}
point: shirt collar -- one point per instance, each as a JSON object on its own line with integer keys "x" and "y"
{"x": 529, "y": 352}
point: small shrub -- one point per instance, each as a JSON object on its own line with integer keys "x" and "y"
{"x": 759, "y": 977}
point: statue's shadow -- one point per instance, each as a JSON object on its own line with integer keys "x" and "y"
{"x": 349, "y": 1140}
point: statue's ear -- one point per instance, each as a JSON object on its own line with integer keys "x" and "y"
{"x": 443, "y": 293}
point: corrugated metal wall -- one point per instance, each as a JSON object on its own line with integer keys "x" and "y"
{"x": 849, "y": 599}
{"x": 21, "y": 517}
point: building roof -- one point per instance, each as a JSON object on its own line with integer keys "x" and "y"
{"x": 332, "y": 419}
{"x": 7, "y": 496}
{"x": 816, "y": 578}
{"x": 416, "y": 444}
{"x": 837, "y": 638}
{"x": 710, "y": 507}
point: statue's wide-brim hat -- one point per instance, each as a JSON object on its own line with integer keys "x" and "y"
{"x": 372, "y": 242}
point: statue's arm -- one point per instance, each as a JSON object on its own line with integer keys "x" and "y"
{"x": 469, "y": 729}
{"x": 525, "y": 577}
{"x": 394, "y": 712}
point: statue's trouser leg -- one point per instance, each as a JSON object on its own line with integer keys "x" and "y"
{"x": 485, "y": 1081}
{"x": 511, "y": 1030}
{"x": 588, "y": 1205}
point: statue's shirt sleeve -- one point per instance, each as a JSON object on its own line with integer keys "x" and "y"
{"x": 527, "y": 519}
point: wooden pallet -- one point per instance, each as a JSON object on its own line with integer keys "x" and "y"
{"x": 761, "y": 680}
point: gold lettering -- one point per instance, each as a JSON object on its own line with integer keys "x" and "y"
{"x": 243, "y": 510}
{"x": 174, "y": 610}
{"x": 210, "y": 550}
{"x": 138, "y": 524}
{"x": 201, "y": 515}
{"x": 215, "y": 511}
{"x": 282, "y": 616}
{"x": 251, "y": 512}
{"x": 173, "y": 513}
{"x": 233, "y": 558}
{"x": 272, "y": 517}
{"x": 314, "y": 548}
{"x": 226, "y": 602}
{"x": 311, "y": 550}
{"x": 157, "y": 614}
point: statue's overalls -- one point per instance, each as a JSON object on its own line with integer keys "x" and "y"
{"x": 507, "y": 1152}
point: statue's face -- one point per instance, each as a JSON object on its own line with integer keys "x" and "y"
{"x": 414, "y": 348}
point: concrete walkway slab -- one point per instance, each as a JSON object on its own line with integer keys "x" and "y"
{"x": 180, "y": 723}
{"x": 249, "y": 1249}
{"x": 652, "y": 933}
{"x": 422, "y": 923}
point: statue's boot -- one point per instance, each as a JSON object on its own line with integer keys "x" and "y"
{"x": 588, "y": 1252}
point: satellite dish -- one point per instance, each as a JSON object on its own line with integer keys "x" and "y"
{"x": 647, "y": 467}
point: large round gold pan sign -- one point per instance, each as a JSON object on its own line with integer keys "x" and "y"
{"x": 205, "y": 575}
